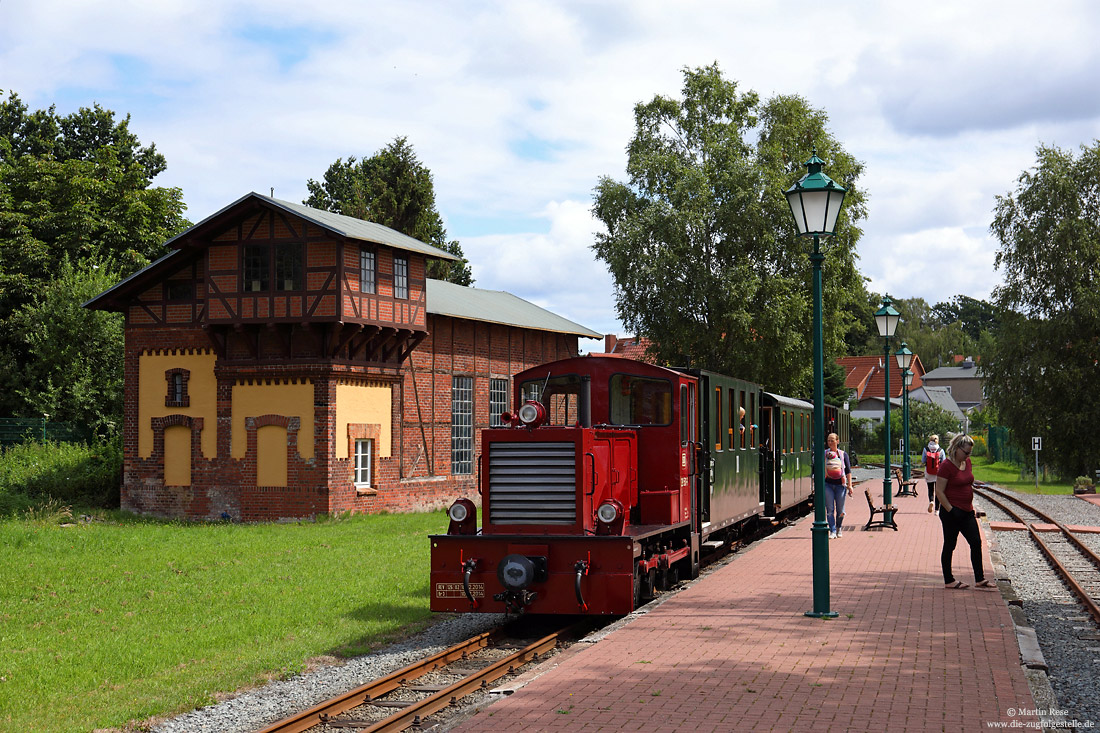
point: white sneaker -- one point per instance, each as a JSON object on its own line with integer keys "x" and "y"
{"x": 832, "y": 535}
{"x": 839, "y": 534}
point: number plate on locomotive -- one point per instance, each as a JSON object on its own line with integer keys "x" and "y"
{"x": 454, "y": 590}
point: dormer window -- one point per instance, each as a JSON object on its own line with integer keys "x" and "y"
{"x": 177, "y": 388}
{"x": 256, "y": 268}
{"x": 259, "y": 260}
{"x": 288, "y": 266}
{"x": 179, "y": 289}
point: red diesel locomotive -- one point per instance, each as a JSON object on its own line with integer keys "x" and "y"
{"x": 610, "y": 481}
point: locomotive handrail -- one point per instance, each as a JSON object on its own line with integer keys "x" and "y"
{"x": 479, "y": 474}
{"x": 593, "y": 484}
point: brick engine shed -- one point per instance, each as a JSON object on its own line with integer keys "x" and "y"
{"x": 283, "y": 362}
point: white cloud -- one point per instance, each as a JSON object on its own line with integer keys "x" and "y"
{"x": 555, "y": 270}
{"x": 519, "y": 107}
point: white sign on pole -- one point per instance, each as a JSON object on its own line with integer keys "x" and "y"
{"x": 1036, "y": 445}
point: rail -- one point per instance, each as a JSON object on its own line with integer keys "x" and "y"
{"x": 323, "y": 713}
{"x": 1075, "y": 585}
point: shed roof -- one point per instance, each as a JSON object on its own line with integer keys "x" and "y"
{"x": 347, "y": 226}
{"x": 496, "y": 306}
{"x": 951, "y": 372}
{"x": 344, "y": 226}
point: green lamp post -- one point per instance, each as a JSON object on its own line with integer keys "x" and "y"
{"x": 905, "y": 358}
{"x": 815, "y": 203}
{"x": 908, "y": 382}
{"x": 886, "y": 319}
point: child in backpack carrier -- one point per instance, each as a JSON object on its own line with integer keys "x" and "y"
{"x": 934, "y": 455}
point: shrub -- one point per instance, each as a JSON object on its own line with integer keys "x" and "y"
{"x": 36, "y": 472}
{"x": 980, "y": 447}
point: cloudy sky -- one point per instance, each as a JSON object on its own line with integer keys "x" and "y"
{"x": 518, "y": 107}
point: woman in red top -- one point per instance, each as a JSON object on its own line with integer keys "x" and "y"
{"x": 955, "y": 491}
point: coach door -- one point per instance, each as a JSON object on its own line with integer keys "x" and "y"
{"x": 689, "y": 450}
{"x": 767, "y": 461}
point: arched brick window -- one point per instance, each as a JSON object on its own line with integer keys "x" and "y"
{"x": 177, "y": 388}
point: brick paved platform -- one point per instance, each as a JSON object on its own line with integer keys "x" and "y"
{"x": 735, "y": 651}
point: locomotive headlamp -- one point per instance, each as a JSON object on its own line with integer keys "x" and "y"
{"x": 463, "y": 516}
{"x": 610, "y": 518}
{"x": 458, "y": 513}
{"x": 532, "y": 414}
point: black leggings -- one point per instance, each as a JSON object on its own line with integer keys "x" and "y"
{"x": 932, "y": 494}
{"x": 967, "y": 526}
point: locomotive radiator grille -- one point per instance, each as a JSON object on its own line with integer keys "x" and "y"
{"x": 532, "y": 483}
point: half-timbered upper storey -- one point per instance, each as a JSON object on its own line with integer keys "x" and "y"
{"x": 273, "y": 280}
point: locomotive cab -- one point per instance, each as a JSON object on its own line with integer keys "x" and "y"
{"x": 586, "y": 494}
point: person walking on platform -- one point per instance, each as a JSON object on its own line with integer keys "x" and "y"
{"x": 838, "y": 484}
{"x": 933, "y": 457}
{"x": 955, "y": 491}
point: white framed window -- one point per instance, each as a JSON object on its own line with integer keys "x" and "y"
{"x": 498, "y": 401}
{"x": 367, "y": 272}
{"x": 364, "y": 448}
{"x": 400, "y": 277}
{"x": 462, "y": 425}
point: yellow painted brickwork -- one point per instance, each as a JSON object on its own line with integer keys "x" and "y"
{"x": 271, "y": 456}
{"x": 177, "y": 455}
{"x": 274, "y": 398}
{"x": 202, "y": 390}
{"x": 363, "y": 403}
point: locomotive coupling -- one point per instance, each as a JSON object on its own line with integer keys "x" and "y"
{"x": 468, "y": 568}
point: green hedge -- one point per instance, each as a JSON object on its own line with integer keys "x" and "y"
{"x": 73, "y": 473}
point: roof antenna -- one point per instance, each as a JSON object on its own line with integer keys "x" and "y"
{"x": 272, "y": 192}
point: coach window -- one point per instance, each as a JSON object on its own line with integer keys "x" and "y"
{"x": 730, "y": 439}
{"x": 685, "y": 417}
{"x": 750, "y": 417}
{"x": 742, "y": 420}
{"x": 718, "y": 418}
{"x": 637, "y": 400}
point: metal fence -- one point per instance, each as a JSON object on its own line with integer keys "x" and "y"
{"x": 15, "y": 430}
{"x": 1000, "y": 446}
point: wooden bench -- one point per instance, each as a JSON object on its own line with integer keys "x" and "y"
{"x": 884, "y": 522}
{"x": 905, "y": 488}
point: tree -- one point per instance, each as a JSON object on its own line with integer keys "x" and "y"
{"x": 74, "y": 373}
{"x": 700, "y": 240}
{"x": 927, "y": 335}
{"x": 1043, "y": 375}
{"x": 72, "y": 188}
{"x": 975, "y": 316}
{"x": 394, "y": 189}
{"x": 835, "y": 391}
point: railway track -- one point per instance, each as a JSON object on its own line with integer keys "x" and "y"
{"x": 406, "y": 698}
{"x": 1072, "y": 559}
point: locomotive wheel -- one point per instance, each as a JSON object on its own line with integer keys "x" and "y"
{"x": 649, "y": 587}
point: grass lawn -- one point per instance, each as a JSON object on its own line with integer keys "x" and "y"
{"x": 1005, "y": 475}
{"x": 118, "y": 620}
